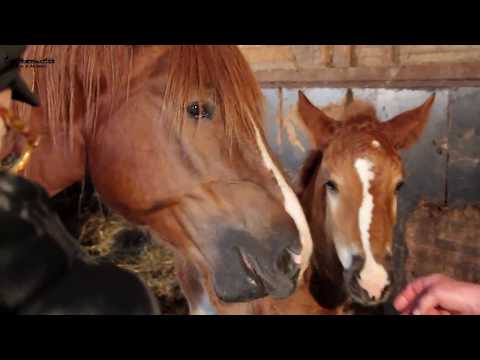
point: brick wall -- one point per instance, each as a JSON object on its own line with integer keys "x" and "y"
{"x": 444, "y": 240}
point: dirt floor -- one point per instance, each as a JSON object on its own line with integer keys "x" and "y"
{"x": 108, "y": 237}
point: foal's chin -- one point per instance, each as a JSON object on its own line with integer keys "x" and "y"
{"x": 359, "y": 295}
{"x": 366, "y": 302}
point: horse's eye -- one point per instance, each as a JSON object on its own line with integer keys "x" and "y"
{"x": 198, "y": 110}
{"x": 207, "y": 111}
{"x": 331, "y": 186}
{"x": 194, "y": 110}
{"x": 399, "y": 186}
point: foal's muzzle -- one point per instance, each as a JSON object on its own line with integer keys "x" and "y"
{"x": 357, "y": 293}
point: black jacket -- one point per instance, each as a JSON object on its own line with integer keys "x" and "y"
{"x": 10, "y": 78}
{"x": 44, "y": 271}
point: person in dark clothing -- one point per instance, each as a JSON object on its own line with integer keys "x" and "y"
{"x": 43, "y": 270}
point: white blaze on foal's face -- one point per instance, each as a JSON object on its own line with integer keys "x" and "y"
{"x": 373, "y": 276}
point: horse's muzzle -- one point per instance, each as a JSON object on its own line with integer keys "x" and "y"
{"x": 249, "y": 271}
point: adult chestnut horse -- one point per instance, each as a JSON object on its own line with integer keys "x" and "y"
{"x": 349, "y": 194}
{"x": 172, "y": 139}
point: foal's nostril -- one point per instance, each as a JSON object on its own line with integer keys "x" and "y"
{"x": 386, "y": 292}
{"x": 287, "y": 264}
{"x": 357, "y": 264}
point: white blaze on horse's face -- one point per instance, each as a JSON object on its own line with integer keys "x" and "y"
{"x": 373, "y": 276}
{"x": 291, "y": 204}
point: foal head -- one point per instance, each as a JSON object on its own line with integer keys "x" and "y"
{"x": 354, "y": 187}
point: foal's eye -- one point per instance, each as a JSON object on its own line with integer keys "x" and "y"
{"x": 399, "y": 186}
{"x": 331, "y": 186}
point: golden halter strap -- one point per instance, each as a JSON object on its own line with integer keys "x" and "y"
{"x": 14, "y": 123}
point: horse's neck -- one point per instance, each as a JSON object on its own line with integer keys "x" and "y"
{"x": 325, "y": 283}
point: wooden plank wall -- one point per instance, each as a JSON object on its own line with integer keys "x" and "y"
{"x": 365, "y": 65}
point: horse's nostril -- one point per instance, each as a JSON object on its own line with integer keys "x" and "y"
{"x": 287, "y": 264}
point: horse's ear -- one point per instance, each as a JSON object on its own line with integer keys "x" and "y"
{"x": 317, "y": 123}
{"x": 406, "y": 128}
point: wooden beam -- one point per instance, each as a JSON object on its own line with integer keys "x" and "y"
{"x": 432, "y": 75}
{"x": 342, "y": 56}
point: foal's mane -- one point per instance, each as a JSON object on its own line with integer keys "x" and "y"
{"x": 85, "y": 77}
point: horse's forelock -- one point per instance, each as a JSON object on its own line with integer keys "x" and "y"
{"x": 224, "y": 70}
{"x": 83, "y": 76}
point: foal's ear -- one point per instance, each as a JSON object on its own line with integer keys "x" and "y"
{"x": 405, "y": 129}
{"x": 318, "y": 124}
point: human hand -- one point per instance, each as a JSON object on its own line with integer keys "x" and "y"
{"x": 439, "y": 295}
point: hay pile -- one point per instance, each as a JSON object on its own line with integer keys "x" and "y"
{"x": 108, "y": 237}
